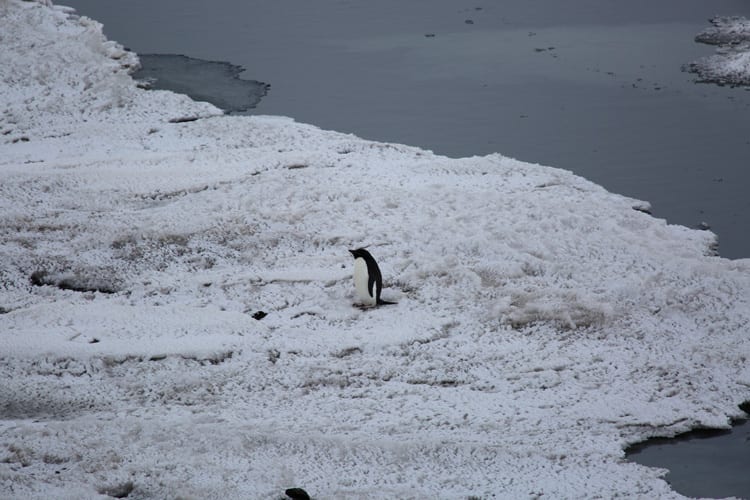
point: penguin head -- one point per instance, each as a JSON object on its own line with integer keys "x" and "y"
{"x": 360, "y": 253}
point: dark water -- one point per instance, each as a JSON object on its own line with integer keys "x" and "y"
{"x": 702, "y": 463}
{"x": 592, "y": 86}
{"x": 216, "y": 82}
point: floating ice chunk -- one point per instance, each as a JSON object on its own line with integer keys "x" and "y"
{"x": 730, "y": 65}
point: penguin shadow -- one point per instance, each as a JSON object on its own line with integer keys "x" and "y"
{"x": 366, "y": 307}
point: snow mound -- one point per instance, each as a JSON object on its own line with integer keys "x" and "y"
{"x": 91, "y": 78}
{"x": 177, "y": 320}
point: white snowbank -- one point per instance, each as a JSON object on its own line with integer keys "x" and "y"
{"x": 730, "y": 64}
{"x": 542, "y": 323}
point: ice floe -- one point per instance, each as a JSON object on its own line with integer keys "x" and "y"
{"x": 730, "y": 65}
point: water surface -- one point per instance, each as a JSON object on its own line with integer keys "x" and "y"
{"x": 702, "y": 463}
{"x": 216, "y": 82}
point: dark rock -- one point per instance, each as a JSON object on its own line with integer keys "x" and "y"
{"x": 259, "y": 315}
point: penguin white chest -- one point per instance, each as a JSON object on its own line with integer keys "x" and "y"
{"x": 361, "y": 278}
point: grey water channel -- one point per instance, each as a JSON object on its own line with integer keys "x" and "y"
{"x": 591, "y": 86}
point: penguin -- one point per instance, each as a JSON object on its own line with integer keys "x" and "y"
{"x": 367, "y": 278}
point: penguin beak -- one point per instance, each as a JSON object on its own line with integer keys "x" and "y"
{"x": 351, "y": 252}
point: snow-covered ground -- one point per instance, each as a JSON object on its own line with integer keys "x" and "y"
{"x": 730, "y": 65}
{"x": 542, "y": 325}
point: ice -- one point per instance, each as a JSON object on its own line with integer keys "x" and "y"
{"x": 730, "y": 65}
{"x": 542, "y": 325}
{"x": 726, "y": 30}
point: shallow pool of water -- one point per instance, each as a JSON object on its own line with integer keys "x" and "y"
{"x": 702, "y": 463}
{"x": 219, "y": 83}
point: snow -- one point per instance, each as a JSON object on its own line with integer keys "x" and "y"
{"x": 731, "y": 62}
{"x": 543, "y": 324}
